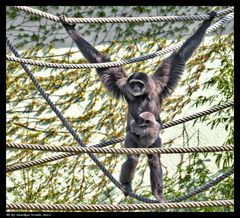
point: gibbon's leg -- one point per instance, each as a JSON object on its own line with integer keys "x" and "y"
{"x": 129, "y": 166}
{"x": 156, "y": 175}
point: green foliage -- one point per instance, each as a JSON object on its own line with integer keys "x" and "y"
{"x": 79, "y": 95}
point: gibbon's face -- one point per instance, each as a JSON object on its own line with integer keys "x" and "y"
{"x": 146, "y": 119}
{"x": 144, "y": 123}
{"x": 137, "y": 83}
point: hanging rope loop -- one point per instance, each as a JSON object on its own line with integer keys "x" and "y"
{"x": 171, "y": 48}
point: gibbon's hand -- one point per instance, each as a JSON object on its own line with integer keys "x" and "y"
{"x": 66, "y": 25}
{"x": 212, "y": 15}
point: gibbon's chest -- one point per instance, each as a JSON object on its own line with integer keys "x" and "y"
{"x": 142, "y": 104}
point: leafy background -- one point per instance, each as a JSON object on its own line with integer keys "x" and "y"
{"x": 96, "y": 116}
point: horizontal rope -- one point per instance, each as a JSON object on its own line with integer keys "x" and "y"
{"x": 122, "y": 19}
{"x": 95, "y": 65}
{"x": 119, "y": 150}
{"x": 115, "y": 63}
{"x": 113, "y": 141}
{"x": 119, "y": 207}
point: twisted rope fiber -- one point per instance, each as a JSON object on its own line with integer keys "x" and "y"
{"x": 111, "y": 207}
{"x": 116, "y": 63}
{"x": 119, "y": 150}
{"x": 122, "y": 19}
{"x": 112, "y": 141}
{"x": 204, "y": 187}
{"x": 70, "y": 129}
{"x": 36, "y": 162}
{"x": 199, "y": 114}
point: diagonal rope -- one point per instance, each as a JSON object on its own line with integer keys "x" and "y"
{"x": 204, "y": 187}
{"x": 199, "y": 114}
{"x": 117, "y": 207}
{"x": 24, "y": 165}
{"x": 69, "y": 127}
{"x": 122, "y": 19}
{"x": 176, "y": 122}
{"x": 171, "y": 48}
{"x": 113, "y": 141}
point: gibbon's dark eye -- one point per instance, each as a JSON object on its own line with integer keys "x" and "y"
{"x": 140, "y": 120}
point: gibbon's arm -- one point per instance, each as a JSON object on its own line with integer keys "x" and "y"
{"x": 113, "y": 78}
{"x": 169, "y": 72}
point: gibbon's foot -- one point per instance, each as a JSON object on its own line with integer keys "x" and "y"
{"x": 212, "y": 15}
{"x": 67, "y": 26}
{"x": 127, "y": 188}
{"x": 159, "y": 197}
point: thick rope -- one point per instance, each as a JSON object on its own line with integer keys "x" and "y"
{"x": 119, "y": 150}
{"x": 113, "y": 141}
{"x": 204, "y": 187}
{"x": 116, "y": 63}
{"x": 24, "y": 165}
{"x": 70, "y": 129}
{"x": 122, "y": 19}
{"x": 119, "y": 207}
{"x": 199, "y": 114}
